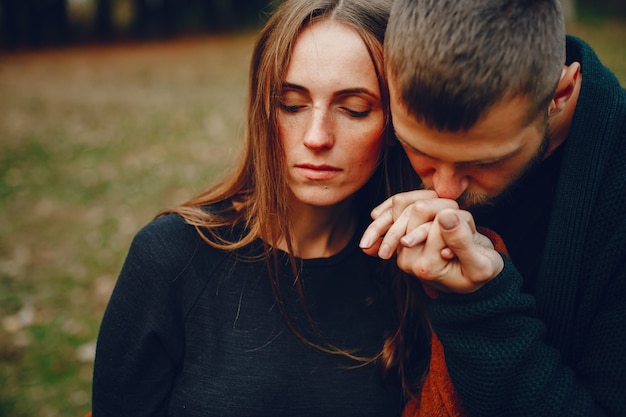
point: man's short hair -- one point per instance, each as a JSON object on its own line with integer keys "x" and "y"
{"x": 450, "y": 61}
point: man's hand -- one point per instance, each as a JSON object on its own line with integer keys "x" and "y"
{"x": 435, "y": 241}
{"x": 391, "y": 218}
{"x": 454, "y": 257}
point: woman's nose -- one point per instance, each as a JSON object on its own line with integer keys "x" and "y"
{"x": 319, "y": 134}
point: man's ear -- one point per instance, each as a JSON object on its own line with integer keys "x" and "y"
{"x": 563, "y": 104}
{"x": 565, "y": 89}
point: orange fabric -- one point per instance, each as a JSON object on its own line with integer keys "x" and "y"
{"x": 438, "y": 397}
{"x": 495, "y": 238}
{"x": 88, "y": 414}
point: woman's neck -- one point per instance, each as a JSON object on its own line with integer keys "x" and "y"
{"x": 320, "y": 232}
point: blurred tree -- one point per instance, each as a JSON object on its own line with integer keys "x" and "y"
{"x": 224, "y": 14}
{"x": 34, "y": 23}
{"x": 10, "y": 32}
{"x": 614, "y": 8}
{"x": 104, "y": 26}
{"x": 154, "y": 17}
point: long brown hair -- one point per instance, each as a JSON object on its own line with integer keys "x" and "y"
{"x": 254, "y": 197}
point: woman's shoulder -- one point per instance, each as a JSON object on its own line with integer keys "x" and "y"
{"x": 167, "y": 232}
{"x": 171, "y": 229}
{"x": 169, "y": 243}
{"x": 169, "y": 257}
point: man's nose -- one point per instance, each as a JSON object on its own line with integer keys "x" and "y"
{"x": 448, "y": 182}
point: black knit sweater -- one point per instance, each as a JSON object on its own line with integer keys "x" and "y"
{"x": 560, "y": 348}
{"x": 194, "y": 331}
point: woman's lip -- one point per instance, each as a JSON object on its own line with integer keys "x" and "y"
{"x": 318, "y": 167}
{"x": 318, "y": 172}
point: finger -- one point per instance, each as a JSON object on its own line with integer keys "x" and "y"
{"x": 393, "y": 227}
{"x": 374, "y": 248}
{"x": 467, "y": 217}
{"x": 382, "y": 208}
{"x": 403, "y": 201}
{"x": 416, "y": 236}
{"x": 455, "y": 231}
{"x": 477, "y": 262}
{"x": 396, "y": 215}
{"x": 424, "y": 260}
{"x": 400, "y": 201}
{"x": 483, "y": 241}
{"x": 447, "y": 254}
{"x": 423, "y": 211}
{"x": 413, "y": 217}
{"x": 435, "y": 245}
{"x": 376, "y": 230}
{"x": 391, "y": 240}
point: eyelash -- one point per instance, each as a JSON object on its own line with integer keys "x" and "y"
{"x": 357, "y": 114}
{"x": 352, "y": 113}
{"x": 290, "y": 109}
{"x": 487, "y": 165}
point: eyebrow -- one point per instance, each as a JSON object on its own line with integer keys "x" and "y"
{"x": 345, "y": 92}
{"x": 473, "y": 162}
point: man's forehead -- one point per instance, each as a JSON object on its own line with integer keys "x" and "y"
{"x": 489, "y": 140}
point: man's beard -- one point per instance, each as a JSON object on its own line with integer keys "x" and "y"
{"x": 473, "y": 200}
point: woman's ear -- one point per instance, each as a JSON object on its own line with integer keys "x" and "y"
{"x": 566, "y": 90}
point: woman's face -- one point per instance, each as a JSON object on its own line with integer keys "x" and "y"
{"x": 330, "y": 115}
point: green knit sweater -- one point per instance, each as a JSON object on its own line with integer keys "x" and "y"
{"x": 560, "y": 350}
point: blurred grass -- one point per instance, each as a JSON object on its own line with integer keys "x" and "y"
{"x": 608, "y": 38}
{"x": 93, "y": 143}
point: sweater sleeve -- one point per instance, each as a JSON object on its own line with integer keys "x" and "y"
{"x": 500, "y": 364}
{"x": 140, "y": 343}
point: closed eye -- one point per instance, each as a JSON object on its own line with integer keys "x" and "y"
{"x": 290, "y": 108}
{"x": 357, "y": 114}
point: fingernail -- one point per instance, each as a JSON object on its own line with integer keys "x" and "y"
{"x": 448, "y": 221}
{"x": 384, "y": 251}
{"x": 407, "y": 240}
{"x": 365, "y": 242}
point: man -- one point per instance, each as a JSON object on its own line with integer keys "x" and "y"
{"x": 507, "y": 132}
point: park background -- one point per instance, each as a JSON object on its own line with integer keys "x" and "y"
{"x": 110, "y": 111}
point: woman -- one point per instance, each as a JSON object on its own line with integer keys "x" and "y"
{"x": 254, "y": 298}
